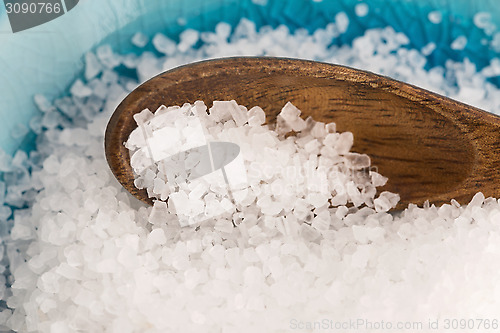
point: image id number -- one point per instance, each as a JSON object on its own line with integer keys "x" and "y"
{"x": 33, "y": 8}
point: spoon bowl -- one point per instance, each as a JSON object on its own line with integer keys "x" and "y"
{"x": 429, "y": 146}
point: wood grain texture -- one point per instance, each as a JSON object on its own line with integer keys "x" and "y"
{"x": 431, "y": 147}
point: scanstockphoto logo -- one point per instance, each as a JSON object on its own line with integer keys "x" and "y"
{"x": 26, "y": 14}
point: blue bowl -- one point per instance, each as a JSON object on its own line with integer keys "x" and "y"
{"x": 46, "y": 58}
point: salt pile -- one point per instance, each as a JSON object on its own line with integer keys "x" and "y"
{"x": 297, "y": 176}
{"x": 85, "y": 256}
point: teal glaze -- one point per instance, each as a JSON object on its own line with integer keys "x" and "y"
{"x": 47, "y": 58}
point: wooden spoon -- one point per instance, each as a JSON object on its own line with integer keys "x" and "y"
{"x": 431, "y": 147}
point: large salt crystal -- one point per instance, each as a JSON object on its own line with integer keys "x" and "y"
{"x": 92, "y": 66}
{"x": 163, "y": 143}
{"x": 344, "y": 143}
{"x": 239, "y": 115}
{"x": 435, "y": 17}
{"x": 428, "y": 49}
{"x": 290, "y": 115}
{"x": 164, "y": 44}
{"x": 192, "y": 278}
{"x": 107, "y": 57}
{"x": 79, "y": 89}
{"x": 357, "y": 161}
{"x": 256, "y": 116}
{"x": 42, "y": 103}
{"x": 21, "y": 231}
{"x": 49, "y": 282}
{"x": 139, "y": 39}
{"x": 361, "y": 9}
{"x": 188, "y": 38}
{"x": 483, "y": 21}
{"x": 386, "y": 201}
{"x": 148, "y": 66}
{"x": 377, "y": 179}
{"x": 309, "y": 233}
{"x": 361, "y": 256}
{"x": 459, "y": 43}
{"x": 317, "y": 199}
{"x": 5, "y": 161}
{"x": 342, "y": 21}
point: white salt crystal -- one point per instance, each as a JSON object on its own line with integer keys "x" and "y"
{"x": 331, "y": 127}
{"x": 495, "y": 43}
{"x": 188, "y": 38}
{"x": 476, "y": 201}
{"x": 319, "y": 130}
{"x": 164, "y": 44}
{"x": 202, "y": 276}
{"x": 59, "y": 327}
{"x": 20, "y": 231}
{"x": 428, "y": 49}
{"x": 140, "y": 40}
{"x": 435, "y": 17}
{"x": 344, "y": 143}
{"x": 250, "y": 255}
{"x": 231, "y": 108}
{"x": 156, "y": 237}
{"x": 194, "y": 246}
{"x": 49, "y": 282}
{"x": 357, "y": 161}
{"x": 309, "y": 233}
{"x": 253, "y": 276}
{"x": 245, "y": 29}
{"x": 361, "y": 9}
{"x": 459, "y": 43}
{"x": 107, "y": 57}
{"x": 79, "y": 89}
{"x": 68, "y": 271}
{"x": 192, "y": 278}
{"x": 321, "y": 223}
{"x": 35, "y": 124}
{"x": 312, "y": 146}
{"x": 92, "y": 66}
{"x": 386, "y": 201}
{"x": 224, "y": 226}
{"x": 51, "y": 164}
{"x": 275, "y": 267}
{"x": 361, "y": 256}
{"x": 317, "y": 199}
{"x": 42, "y": 103}
{"x": 5, "y": 161}
{"x": 143, "y": 116}
{"x": 342, "y": 21}
{"x": 148, "y": 66}
{"x": 291, "y": 116}
{"x": 158, "y": 213}
{"x": 482, "y": 20}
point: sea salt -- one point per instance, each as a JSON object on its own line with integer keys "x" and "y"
{"x": 164, "y": 44}
{"x": 361, "y": 9}
{"x": 483, "y": 21}
{"x": 435, "y": 17}
{"x": 140, "y": 40}
{"x": 92, "y": 66}
{"x": 459, "y": 43}
{"x": 93, "y": 258}
{"x": 79, "y": 89}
